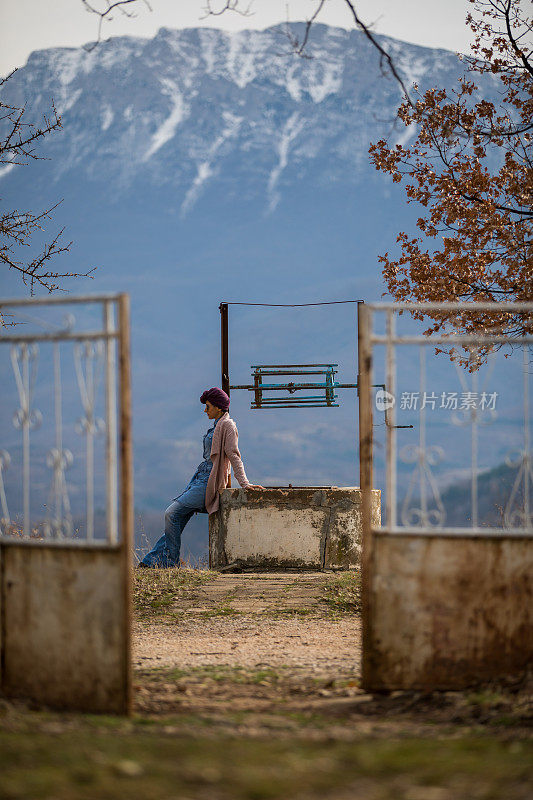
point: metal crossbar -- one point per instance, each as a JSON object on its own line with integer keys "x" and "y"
{"x": 328, "y": 385}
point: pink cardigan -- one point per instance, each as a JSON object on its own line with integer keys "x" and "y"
{"x": 224, "y": 455}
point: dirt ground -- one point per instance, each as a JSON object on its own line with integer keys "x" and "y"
{"x": 259, "y": 651}
{"x": 253, "y": 621}
{"x": 247, "y": 687}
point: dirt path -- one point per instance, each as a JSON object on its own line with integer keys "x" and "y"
{"x": 262, "y": 644}
{"x": 253, "y": 621}
{"x": 253, "y": 653}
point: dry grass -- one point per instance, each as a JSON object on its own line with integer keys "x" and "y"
{"x": 155, "y": 591}
{"x": 342, "y": 592}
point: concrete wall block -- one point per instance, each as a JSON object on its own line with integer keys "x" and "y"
{"x": 343, "y": 546}
{"x": 301, "y": 528}
{"x": 448, "y": 612}
{"x": 269, "y": 535}
{"x": 63, "y": 631}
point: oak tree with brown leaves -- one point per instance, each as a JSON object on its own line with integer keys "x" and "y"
{"x": 470, "y": 167}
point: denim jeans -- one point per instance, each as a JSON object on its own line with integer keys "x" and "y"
{"x": 166, "y": 551}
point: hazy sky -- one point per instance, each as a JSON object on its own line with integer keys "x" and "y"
{"x": 27, "y": 25}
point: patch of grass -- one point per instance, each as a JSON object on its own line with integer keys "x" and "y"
{"x": 282, "y": 613}
{"x": 342, "y": 592}
{"x": 83, "y": 764}
{"x": 223, "y": 673}
{"x": 243, "y": 676}
{"x": 104, "y": 721}
{"x": 168, "y": 673}
{"x": 485, "y": 698}
{"x": 155, "y": 591}
{"x": 503, "y": 721}
{"x": 143, "y": 721}
{"x": 219, "y": 611}
{"x": 263, "y": 676}
{"x": 304, "y": 720}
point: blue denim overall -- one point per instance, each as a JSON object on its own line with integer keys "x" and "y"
{"x": 166, "y": 551}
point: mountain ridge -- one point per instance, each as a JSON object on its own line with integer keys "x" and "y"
{"x": 226, "y": 95}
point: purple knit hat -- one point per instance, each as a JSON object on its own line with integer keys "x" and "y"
{"x": 216, "y": 397}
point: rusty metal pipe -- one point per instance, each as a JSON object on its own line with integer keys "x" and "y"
{"x": 224, "y": 343}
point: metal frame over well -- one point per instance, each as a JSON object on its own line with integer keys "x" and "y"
{"x": 329, "y": 385}
{"x": 292, "y": 388}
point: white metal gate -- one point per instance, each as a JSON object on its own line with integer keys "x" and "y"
{"x": 447, "y": 586}
{"x": 66, "y": 501}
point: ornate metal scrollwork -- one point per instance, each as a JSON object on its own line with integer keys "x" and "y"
{"x": 46, "y": 508}
{"x": 478, "y": 412}
{"x": 425, "y": 514}
{"x": 89, "y": 360}
{"x": 60, "y": 524}
{"x": 5, "y": 461}
{"x": 89, "y": 363}
{"x": 58, "y": 517}
{"x": 24, "y": 358}
{"x": 518, "y": 512}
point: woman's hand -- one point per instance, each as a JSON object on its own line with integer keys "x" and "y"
{"x": 254, "y": 486}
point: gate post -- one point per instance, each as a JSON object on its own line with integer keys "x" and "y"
{"x": 126, "y": 483}
{"x": 446, "y": 601}
{"x": 364, "y": 323}
{"x": 224, "y": 354}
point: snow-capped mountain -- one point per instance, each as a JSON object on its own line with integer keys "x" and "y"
{"x": 193, "y": 108}
{"x": 201, "y": 166}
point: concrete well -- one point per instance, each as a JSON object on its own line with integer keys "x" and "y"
{"x": 306, "y": 527}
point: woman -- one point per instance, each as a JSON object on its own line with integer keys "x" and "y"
{"x": 221, "y": 452}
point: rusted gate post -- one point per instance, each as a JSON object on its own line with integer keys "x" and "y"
{"x": 224, "y": 355}
{"x": 364, "y": 381}
{"x": 126, "y": 483}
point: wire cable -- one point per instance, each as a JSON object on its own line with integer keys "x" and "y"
{"x": 293, "y": 305}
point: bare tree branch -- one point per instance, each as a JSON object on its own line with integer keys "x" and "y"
{"x": 298, "y": 45}
{"x": 106, "y": 12}
{"x": 385, "y": 57}
{"x": 18, "y": 228}
{"x": 227, "y": 5}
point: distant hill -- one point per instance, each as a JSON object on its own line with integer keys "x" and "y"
{"x": 494, "y": 490}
